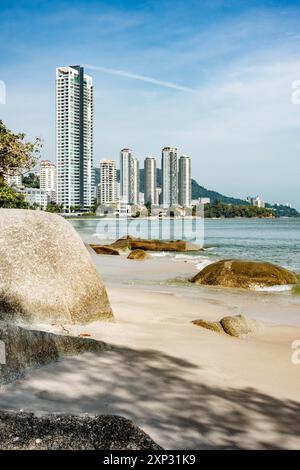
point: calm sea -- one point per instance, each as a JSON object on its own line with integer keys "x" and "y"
{"x": 273, "y": 240}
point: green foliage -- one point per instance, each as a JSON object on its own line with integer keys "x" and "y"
{"x": 219, "y": 209}
{"x": 52, "y": 207}
{"x": 16, "y": 155}
{"x": 12, "y": 200}
{"x": 148, "y": 205}
{"x": 31, "y": 181}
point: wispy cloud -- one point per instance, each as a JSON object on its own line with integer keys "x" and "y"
{"x": 142, "y": 78}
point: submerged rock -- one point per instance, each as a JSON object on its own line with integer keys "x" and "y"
{"x": 24, "y": 348}
{"x": 104, "y": 250}
{"x": 138, "y": 255}
{"x": 244, "y": 274}
{"x": 21, "y": 431}
{"x": 46, "y": 272}
{"x": 209, "y": 325}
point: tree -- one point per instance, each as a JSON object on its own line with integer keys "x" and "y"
{"x": 31, "y": 181}
{"x": 52, "y": 207}
{"x": 10, "y": 199}
{"x": 16, "y": 155}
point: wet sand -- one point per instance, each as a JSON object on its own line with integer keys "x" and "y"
{"x": 187, "y": 387}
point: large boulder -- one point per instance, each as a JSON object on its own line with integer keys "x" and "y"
{"x": 244, "y": 274}
{"x": 22, "y": 348}
{"x": 24, "y": 431}
{"x": 138, "y": 255}
{"x": 46, "y": 272}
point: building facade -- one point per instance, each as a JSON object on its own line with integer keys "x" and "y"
{"x": 14, "y": 180}
{"x": 107, "y": 185}
{"x": 74, "y": 138}
{"x": 37, "y": 197}
{"x": 169, "y": 176}
{"x": 185, "y": 181}
{"x": 48, "y": 179}
{"x": 150, "y": 180}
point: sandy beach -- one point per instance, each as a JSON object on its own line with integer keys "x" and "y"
{"x": 187, "y": 387}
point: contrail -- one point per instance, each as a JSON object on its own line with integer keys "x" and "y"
{"x": 141, "y": 78}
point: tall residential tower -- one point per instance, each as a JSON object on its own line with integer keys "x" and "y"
{"x": 150, "y": 180}
{"x": 169, "y": 176}
{"x": 74, "y": 138}
{"x": 185, "y": 182}
{"x": 107, "y": 186}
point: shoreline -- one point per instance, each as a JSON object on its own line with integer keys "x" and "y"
{"x": 185, "y": 386}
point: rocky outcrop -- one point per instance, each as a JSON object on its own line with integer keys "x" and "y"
{"x": 237, "y": 325}
{"x": 24, "y": 348}
{"x": 160, "y": 245}
{"x": 46, "y": 272}
{"x": 131, "y": 243}
{"x": 244, "y": 274}
{"x": 104, "y": 250}
{"x": 24, "y": 431}
{"x": 209, "y": 325}
{"x": 138, "y": 255}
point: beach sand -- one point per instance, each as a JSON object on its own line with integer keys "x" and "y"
{"x": 189, "y": 388}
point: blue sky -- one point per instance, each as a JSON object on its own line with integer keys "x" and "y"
{"x": 231, "y": 65}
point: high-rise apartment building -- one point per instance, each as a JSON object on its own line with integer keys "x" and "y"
{"x": 74, "y": 138}
{"x": 150, "y": 180}
{"x": 134, "y": 181}
{"x": 185, "y": 181}
{"x": 48, "y": 179}
{"x": 107, "y": 186}
{"x": 169, "y": 176}
{"x": 125, "y": 167}
{"x": 129, "y": 177}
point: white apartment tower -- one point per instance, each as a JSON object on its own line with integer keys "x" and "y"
{"x": 129, "y": 177}
{"x": 134, "y": 181}
{"x": 125, "y": 165}
{"x": 48, "y": 179}
{"x": 169, "y": 176}
{"x": 107, "y": 186}
{"x": 74, "y": 138}
{"x": 185, "y": 181}
{"x": 150, "y": 180}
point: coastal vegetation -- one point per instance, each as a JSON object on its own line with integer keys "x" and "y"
{"x": 220, "y": 210}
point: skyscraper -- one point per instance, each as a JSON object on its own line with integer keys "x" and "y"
{"x": 185, "y": 181}
{"x": 129, "y": 177}
{"x": 125, "y": 166}
{"x": 169, "y": 176}
{"x": 48, "y": 179}
{"x": 74, "y": 137}
{"x": 107, "y": 186}
{"x": 134, "y": 181}
{"x": 150, "y": 179}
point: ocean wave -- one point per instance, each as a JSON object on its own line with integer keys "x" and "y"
{"x": 280, "y": 288}
{"x": 158, "y": 253}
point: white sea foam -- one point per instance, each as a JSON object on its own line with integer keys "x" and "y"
{"x": 280, "y": 288}
{"x": 158, "y": 253}
{"x": 203, "y": 263}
